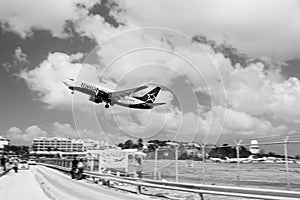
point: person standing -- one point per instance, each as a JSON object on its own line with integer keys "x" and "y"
{"x": 80, "y": 167}
{"x": 3, "y": 163}
{"x": 74, "y": 167}
{"x": 15, "y": 165}
{"x": 138, "y": 165}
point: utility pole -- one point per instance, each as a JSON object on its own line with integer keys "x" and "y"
{"x": 176, "y": 146}
{"x": 176, "y": 162}
{"x": 238, "y": 159}
{"x": 155, "y": 162}
{"x": 203, "y": 159}
{"x": 285, "y": 141}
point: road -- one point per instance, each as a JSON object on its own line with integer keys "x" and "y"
{"x": 22, "y": 185}
{"x": 41, "y": 183}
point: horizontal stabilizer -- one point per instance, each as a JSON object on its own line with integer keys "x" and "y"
{"x": 155, "y": 104}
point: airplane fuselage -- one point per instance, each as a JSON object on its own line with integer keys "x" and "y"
{"x": 103, "y": 95}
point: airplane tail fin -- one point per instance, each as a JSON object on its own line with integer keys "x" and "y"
{"x": 150, "y": 96}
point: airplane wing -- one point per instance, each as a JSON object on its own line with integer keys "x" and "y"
{"x": 155, "y": 104}
{"x": 120, "y": 94}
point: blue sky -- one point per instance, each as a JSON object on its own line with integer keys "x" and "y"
{"x": 240, "y": 80}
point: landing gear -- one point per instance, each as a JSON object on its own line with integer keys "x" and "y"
{"x": 106, "y": 106}
{"x": 72, "y": 92}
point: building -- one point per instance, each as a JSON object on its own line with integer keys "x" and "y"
{"x": 90, "y": 144}
{"x": 254, "y": 147}
{"x": 192, "y": 149}
{"x": 43, "y": 144}
{"x": 3, "y": 142}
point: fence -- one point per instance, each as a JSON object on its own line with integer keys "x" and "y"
{"x": 188, "y": 187}
{"x": 266, "y": 172}
{"x": 92, "y": 165}
{"x": 277, "y": 170}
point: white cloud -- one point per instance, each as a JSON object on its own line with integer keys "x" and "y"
{"x": 20, "y": 56}
{"x": 14, "y": 131}
{"x": 22, "y": 17}
{"x": 7, "y": 66}
{"x": 256, "y": 28}
{"x": 46, "y": 79}
{"x": 243, "y": 123}
{"x": 57, "y": 129}
{"x": 250, "y": 90}
{"x": 161, "y": 56}
{"x": 68, "y": 131}
{"x": 255, "y": 91}
{"x": 34, "y": 131}
{"x": 94, "y": 26}
{"x": 64, "y": 130}
{"x": 19, "y": 60}
{"x": 206, "y": 126}
{"x": 259, "y": 28}
{"x": 17, "y": 136}
{"x": 285, "y": 99}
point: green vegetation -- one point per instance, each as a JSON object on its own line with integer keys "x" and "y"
{"x": 228, "y": 151}
{"x": 16, "y": 150}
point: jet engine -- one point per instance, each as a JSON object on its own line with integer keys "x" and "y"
{"x": 95, "y": 99}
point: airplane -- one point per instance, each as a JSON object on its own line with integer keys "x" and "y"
{"x": 250, "y": 159}
{"x": 218, "y": 160}
{"x": 235, "y": 160}
{"x": 123, "y": 98}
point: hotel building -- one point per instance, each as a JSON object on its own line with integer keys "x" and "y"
{"x": 3, "y": 142}
{"x": 57, "y": 144}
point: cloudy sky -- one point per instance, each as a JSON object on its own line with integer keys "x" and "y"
{"x": 228, "y": 69}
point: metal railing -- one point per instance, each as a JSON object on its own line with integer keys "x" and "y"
{"x": 188, "y": 187}
{"x": 5, "y": 172}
